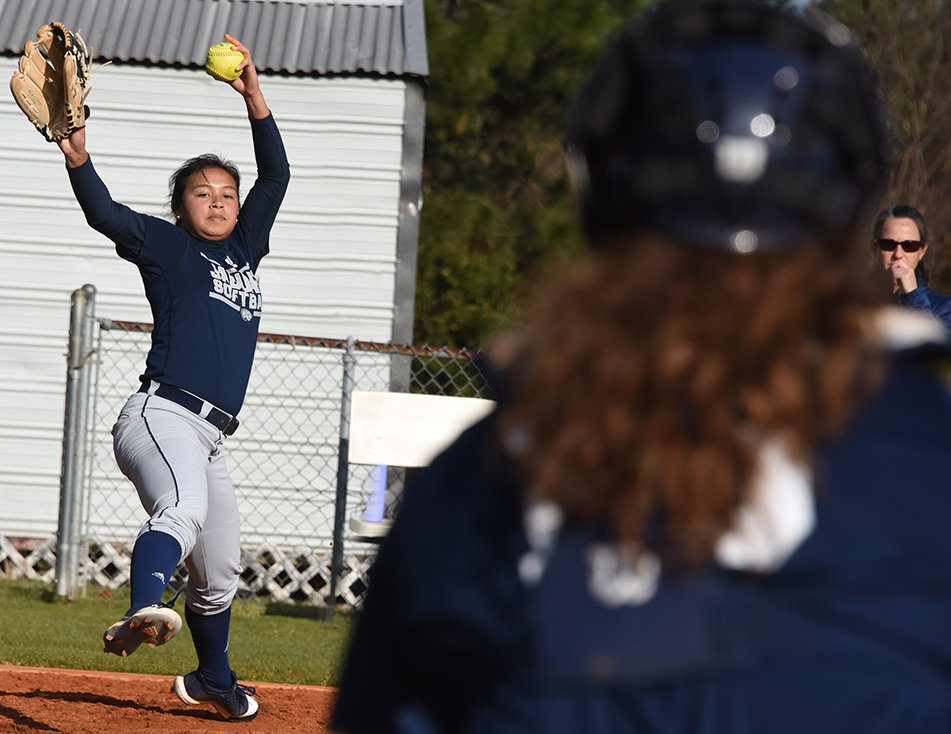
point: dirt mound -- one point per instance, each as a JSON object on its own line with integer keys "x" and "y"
{"x": 89, "y": 702}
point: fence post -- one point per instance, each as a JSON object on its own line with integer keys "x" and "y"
{"x": 75, "y": 441}
{"x": 343, "y": 475}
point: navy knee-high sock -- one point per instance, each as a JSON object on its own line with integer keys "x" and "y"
{"x": 210, "y": 635}
{"x": 154, "y": 559}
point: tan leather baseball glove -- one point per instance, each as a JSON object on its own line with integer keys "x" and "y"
{"x": 50, "y": 85}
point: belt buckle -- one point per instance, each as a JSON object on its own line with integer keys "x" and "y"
{"x": 231, "y": 427}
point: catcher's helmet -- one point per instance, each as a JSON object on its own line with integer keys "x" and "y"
{"x": 730, "y": 124}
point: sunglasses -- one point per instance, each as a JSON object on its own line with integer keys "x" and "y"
{"x": 906, "y": 245}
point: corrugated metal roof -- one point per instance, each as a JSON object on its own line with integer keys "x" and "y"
{"x": 308, "y": 37}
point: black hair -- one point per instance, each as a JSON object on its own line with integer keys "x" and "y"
{"x": 177, "y": 181}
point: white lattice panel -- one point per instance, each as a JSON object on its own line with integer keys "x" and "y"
{"x": 269, "y": 572}
{"x": 28, "y": 558}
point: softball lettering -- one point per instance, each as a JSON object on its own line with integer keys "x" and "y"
{"x": 238, "y": 287}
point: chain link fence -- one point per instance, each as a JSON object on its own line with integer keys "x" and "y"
{"x": 283, "y": 460}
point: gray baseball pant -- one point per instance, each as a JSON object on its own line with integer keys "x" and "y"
{"x": 176, "y": 462}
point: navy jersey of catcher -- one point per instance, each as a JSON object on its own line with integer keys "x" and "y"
{"x": 205, "y": 296}
{"x": 452, "y": 639}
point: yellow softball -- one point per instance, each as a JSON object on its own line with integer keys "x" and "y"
{"x": 221, "y": 62}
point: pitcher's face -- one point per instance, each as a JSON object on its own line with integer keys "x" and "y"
{"x": 210, "y": 205}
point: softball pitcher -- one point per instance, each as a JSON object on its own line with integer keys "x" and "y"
{"x": 199, "y": 277}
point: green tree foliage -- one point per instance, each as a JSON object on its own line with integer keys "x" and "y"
{"x": 498, "y": 209}
{"x": 909, "y": 43}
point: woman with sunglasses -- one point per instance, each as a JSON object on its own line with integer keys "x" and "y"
{"x": 901, "y": 235}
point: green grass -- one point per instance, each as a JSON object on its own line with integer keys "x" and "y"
{"x": 277, "y": 643}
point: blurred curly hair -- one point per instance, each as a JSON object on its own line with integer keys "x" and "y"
{"x": 651, "y": 374}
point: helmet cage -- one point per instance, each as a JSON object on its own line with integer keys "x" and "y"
{"x": 734, "y": 125}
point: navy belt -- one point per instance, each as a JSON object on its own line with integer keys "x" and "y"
{"x": 224, "y": 422}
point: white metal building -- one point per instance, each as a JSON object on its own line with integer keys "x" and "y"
{"x": 346, "y": 83}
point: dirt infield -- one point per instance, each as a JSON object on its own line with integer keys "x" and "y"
{"x": 87, "y": 702}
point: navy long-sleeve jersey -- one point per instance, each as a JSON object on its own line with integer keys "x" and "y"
{"x": 205, "y": 297}
{"x": 925, "y": 299}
